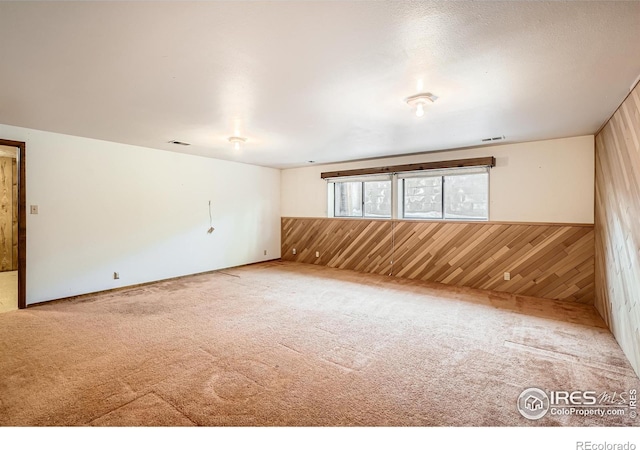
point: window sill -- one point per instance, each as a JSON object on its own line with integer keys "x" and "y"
{"x": 477, "y": 222}
{"x": 413, "y": 220}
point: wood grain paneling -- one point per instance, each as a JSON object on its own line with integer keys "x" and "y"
{"x": 489, "y": 161}
{"x": 6, "y": 215}
{"x": 544, "y": 260}
{"x": 618, "y": 226}
{"x": 14, "y": 223}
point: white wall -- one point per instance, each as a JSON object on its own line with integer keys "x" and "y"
{"x": 544, "y": 181}
{"x": 106, "y": 207}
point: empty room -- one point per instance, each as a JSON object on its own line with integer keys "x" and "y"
{"x": 319, "y": 214}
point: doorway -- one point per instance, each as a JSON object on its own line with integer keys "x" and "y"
{"x": 13, "y": 215}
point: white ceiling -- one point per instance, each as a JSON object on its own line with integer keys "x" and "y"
{"x": 320, "y": 81}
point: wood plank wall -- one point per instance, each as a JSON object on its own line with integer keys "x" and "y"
{"x": 8, "y": 214}
{"x": 617, "y": 225}
{"x": 545, "y": 260}
{"x": 14, "y": 234}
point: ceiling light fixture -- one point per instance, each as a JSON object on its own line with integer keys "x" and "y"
{"x": 237, "y": 141}
{"x": 419, "y": 100}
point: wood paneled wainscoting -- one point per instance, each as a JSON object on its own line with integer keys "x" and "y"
{"x": 553, "y": 261}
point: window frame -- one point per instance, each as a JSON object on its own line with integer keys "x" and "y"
{"x": 442, "y": 174}
{"x": 335, "y": 200}
{"x": 398, "y": 193}
{"x": 402, "y": 207}
{"x": 332, "y": 204}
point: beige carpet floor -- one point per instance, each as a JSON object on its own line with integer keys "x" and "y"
{"x": 292, "y": 344}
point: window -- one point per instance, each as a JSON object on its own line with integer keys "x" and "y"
{"x": 377, "y": 198}
{"x": 452, "y": 194}
{"x": 362, "y": 198}
{"x": 444, "y": 190}
{"x": 348, "y": 199}
{"x": 466, "y": 196}
{"x": 423, "y": 198}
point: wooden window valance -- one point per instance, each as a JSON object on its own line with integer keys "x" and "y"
{"x": 488, "y": 161}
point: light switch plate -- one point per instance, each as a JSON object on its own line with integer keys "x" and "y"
{"x": 34, "y": 209}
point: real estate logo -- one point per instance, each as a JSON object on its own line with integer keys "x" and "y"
{"x": 533, "y": 403}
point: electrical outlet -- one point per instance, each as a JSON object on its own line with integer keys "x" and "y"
{"x": 294, "y": 251}
{"x": 507, "y": 276}
{"x": 265, "y": 253}
{"x": 34, "y": 209}
{"x": 317, "y": 254}
{"x": 116, "y": 276}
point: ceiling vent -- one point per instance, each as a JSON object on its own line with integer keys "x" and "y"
{"x": 179, "y": 143}
{"x": 497, "y": 138}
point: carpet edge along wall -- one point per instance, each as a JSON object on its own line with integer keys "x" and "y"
{"x": 554, "y": 261}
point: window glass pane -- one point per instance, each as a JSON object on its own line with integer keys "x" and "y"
{"x": 348, "y": 199}
{"x": 377, "y": 198}
{"x": 466, "y": 196}
{"x": 423, "y": 198}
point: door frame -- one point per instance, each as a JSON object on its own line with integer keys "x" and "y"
{"x": 22, "y": 220}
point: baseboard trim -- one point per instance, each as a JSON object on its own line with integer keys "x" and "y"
{"x": 138, "y": 285}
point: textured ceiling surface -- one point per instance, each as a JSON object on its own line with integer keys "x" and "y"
{"x": 321, "y": 81}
